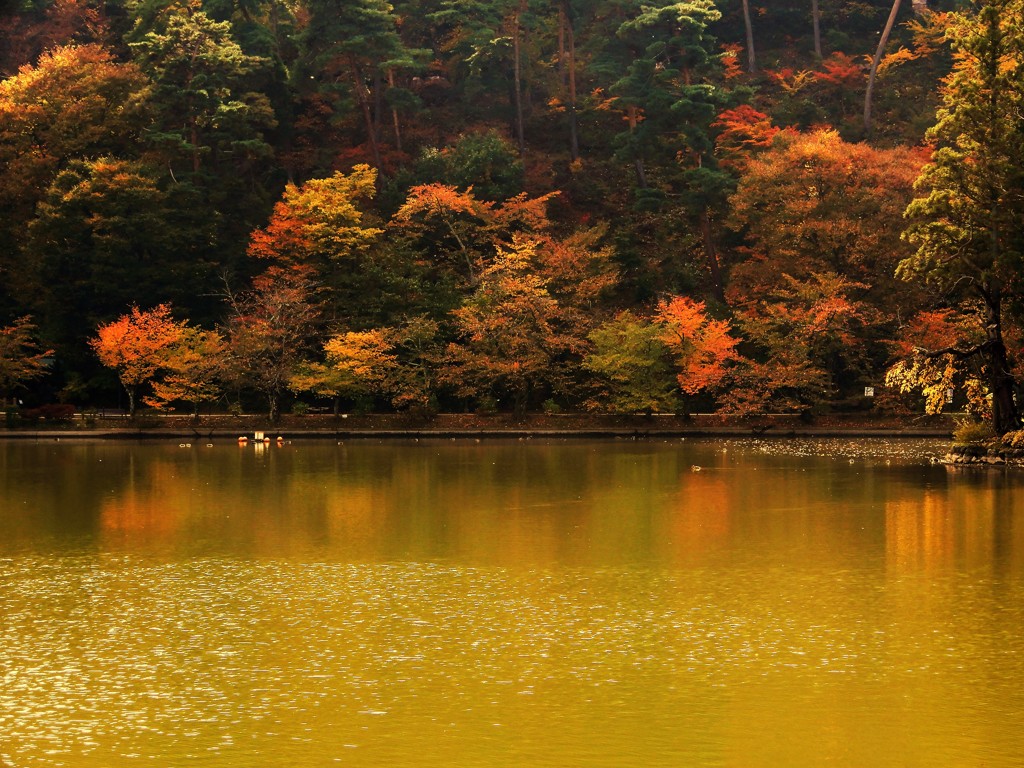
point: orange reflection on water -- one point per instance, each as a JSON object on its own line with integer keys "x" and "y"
{"x": 150, "y": 508}
{"x": 972, "y": 525}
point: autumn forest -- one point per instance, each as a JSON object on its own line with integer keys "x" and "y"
{"x": 512, "y": 205}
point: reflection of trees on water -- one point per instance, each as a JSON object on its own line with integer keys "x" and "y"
{"x": 529, "y": 503}
{"x": 973, "y": 523}
{"x": 51, "y": 491}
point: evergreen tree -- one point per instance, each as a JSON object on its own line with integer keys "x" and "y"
{"x": 968, "y": 226}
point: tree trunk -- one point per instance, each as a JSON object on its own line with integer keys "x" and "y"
{"x": 574, "y": 142}
{"x": 363, "y": 97}
{"x": 751, "y": 64}
{"x": 378, "y": 104}
{"x": 816, "y": 22}
{"x": 131, "y": 401}
{"x": 711, "y": 256}
{"x": 517, "y": 77}
{"x": 638, "y": 163}
{"x": 874, "y": 64}
{"x": 394, "y": 114}
{"x": 1001, "y": 381}
{"x": 274, "y": 409}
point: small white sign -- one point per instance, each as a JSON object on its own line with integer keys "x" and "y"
{"x": 869, "y": 391}
{"x": 949, "y": 395}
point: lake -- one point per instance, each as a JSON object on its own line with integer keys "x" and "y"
{"x": 524, "y": 603}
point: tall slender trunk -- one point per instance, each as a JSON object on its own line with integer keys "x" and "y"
{"x": 378, "y": 103}
{"x": 394, "y": 114}
{"x": 751, "y": 62}
{"x": 1001, "y": 381}
{"x": 193, "y": 137}
{"x": 638, "y": 162}
{"x": 816, "y": 22}
{"x": 517, "y": 77}
{"x": 711, "y": 256}
{"x": 874, "y": 64}
{"x": 574, "y": 141}
{"x": 363, "y": 97}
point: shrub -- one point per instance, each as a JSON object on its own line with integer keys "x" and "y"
{"x": 52, "y": 412}
{"x": 968, "y": 432}
{"x": 1014, "y": 439}
{"x": 486, "y": 406}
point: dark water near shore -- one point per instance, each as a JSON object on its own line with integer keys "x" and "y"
{"x": 680, "y": 603}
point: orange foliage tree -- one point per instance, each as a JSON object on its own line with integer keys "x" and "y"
{"x": 703, "y": 347}
{"x": 462, "y": 230}
{"x": 815, "y": 203}
{"x": 813, "y": 206}
{"x": 807, "y": 338}
{"x": 741, "y": 132}
{"x": 136, "y": 346}
{"x": 21, "y": 358}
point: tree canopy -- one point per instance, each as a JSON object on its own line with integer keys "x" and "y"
{"x": 515, "y": 204}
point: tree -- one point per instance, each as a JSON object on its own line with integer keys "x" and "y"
{"x": 749, "y": 30}
{"x": 703, "y": 347}
{"x": 939, "y": 373}
{"x": 193, "y": 367}
{"x": 75, "y": 102}
{"x": 741, "y": 132}
{"x": 136, "y": 345}
{"x": 513, "y": 335}
{"x": 631, "y": 360}
{"x": 813, "y": 203}
{"x": 204, "y": 111}
{"x": 873, "y": 71}
{"x": 807, "y": 342}
{"x": 670, "y": 105}
{"x": 668, "y": 108}
{"x": 21, "y": 358}
{"x": 487, "y": 39}
{"x": 105, "y": 235}
{"x": 567, "y": 60}
{"x": 320, "y": 223}
{"x": 27, "y": 36}
{"x": 455, "y": 226}
{"x": 269, "y": 329}
{"x": 358, "y": 363}
{"x": 485, "y": 162}
{"x": 968, "y": 225}
{"x": 356, "y": 42}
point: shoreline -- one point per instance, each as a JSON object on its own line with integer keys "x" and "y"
{"x": 471, "y": 426}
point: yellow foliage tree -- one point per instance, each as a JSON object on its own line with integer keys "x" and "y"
{"x": 320, "y": 222}
{"x": 357, "y": 363}
{"x": 194, "y": 365}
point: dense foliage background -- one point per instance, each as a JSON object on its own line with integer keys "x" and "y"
{"x": 502, "y": 204}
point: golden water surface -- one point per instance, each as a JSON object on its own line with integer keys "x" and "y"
{"x": 683, "y": 603}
